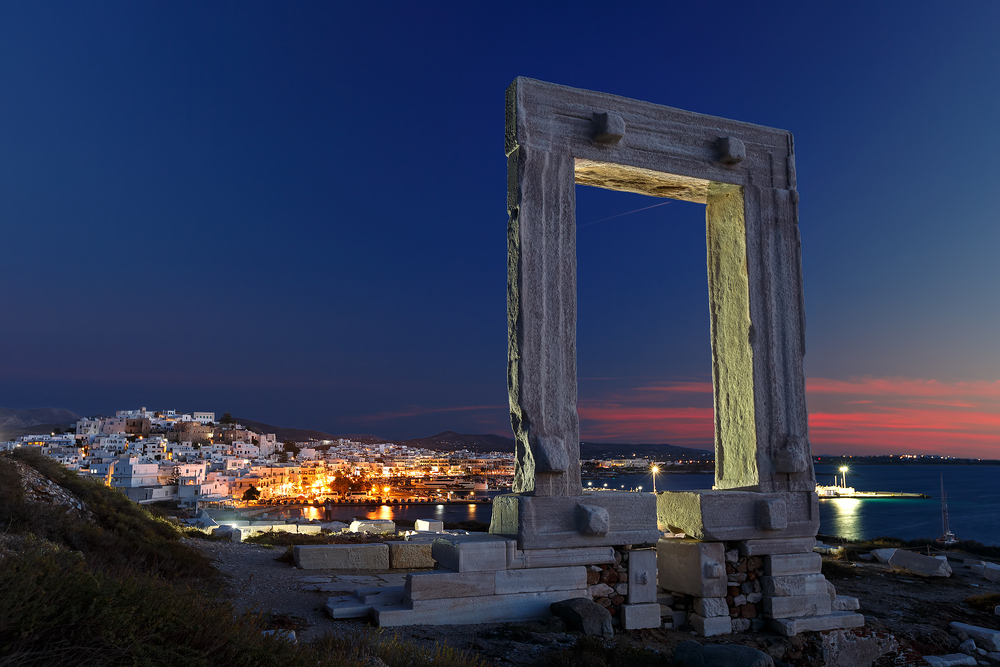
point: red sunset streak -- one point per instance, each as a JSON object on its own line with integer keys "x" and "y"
{"x": 857, "y": 416}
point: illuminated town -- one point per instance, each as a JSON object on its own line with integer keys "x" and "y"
{"x": 194, "y": 459}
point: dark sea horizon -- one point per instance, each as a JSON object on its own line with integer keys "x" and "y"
{"x": 973, "y": 502}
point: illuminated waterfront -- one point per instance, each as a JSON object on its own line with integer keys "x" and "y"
{"x": 973, "y": 502}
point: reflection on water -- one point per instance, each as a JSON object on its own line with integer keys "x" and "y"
{"x": 846, "y": 518}
{"x": 973, "y": 503}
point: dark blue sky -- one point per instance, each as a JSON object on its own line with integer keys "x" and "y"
{"x": 296, "y": 211}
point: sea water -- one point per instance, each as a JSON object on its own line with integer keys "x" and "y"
{"x": 973, "y": 502}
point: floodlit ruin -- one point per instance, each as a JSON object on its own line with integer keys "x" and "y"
{"x": 737, "y": 557}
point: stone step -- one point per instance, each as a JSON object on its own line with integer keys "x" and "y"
{"x": 838, "y": 620}
{"x": 479, "y": 609}
{"x": 380, "y": 596}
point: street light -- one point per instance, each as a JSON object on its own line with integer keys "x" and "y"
{"x": 656, "y": 469}
{"x": 843, "y": 469}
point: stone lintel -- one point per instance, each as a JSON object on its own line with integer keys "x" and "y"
{"x": 541, "y": 522}
{"x": 783, "y": 565}
{"x": 794, "y": 606}
{"x": 446, "y": 584}
{"x": 738, "y": 515}
{"x": 540, "y": 580}
{"x": 538, "y": 558}
{"x": 789, "y": 627}
{"x": 342, "y": 557}
{"x": 796, "y": 584}
{"x": 786, "y": 545}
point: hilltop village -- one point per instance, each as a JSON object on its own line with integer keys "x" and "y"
{"x": 196, "y": 459}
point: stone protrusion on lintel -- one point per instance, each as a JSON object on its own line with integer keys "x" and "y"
{"x": 609, "y": 128}
{"x": 732, "y": 151}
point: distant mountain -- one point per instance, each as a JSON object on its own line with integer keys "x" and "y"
{"x": 14, "y": 422}
{"x": 284, "y": 433}
{"x": 603, "y": 450}
{"x": 451, "y": 441}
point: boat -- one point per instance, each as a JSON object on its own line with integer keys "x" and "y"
{"x": 948, "y": 538}
{"x": 446, "y": 484}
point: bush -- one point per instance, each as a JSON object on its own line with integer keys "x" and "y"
{"x": 109, "y": 604}
{"x": 121, "y": 535}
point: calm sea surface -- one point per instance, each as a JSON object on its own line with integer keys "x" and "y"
{"x": 973, "y": 502}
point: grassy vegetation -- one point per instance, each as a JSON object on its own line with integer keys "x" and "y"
{"x": 595, "y": 652}
{"x": 282, "y": 539}
{"x": 985, "y": 602}
{"x": 851, "y": 549}
{"x": 117, "y": 590}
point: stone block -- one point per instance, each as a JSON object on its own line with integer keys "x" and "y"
{"x": 991, "y": 571}
{"x": 428, "y": 525}
{"x": 969, "y": 562}
{"x": 693, "y": 654}
{"x": 236, "y": 535}
{"x": 410, "y": 555}
{"x": 738, "y": 515}
{"x": 517, "y": 558}
{"x": 541, "y": 579}
{"x": 691, "y": 567}
{"x": 883, "y": 555}
{"x": 838, "y": 620}
{"x": 796, "y": 584}
{"x": 464, "y": 553}
{"x": 467, "y": 610}
{"x": 783, "y": 565}
{"x": 642, "y": 576}
{"x": 710, "y": 626}
{"x": 601, "y": 591}
{"x": 986, "y": 638}
{"x": 342, "y": 557}
{"x": 378, "y": 526}
{"x": 338, "y": 608}
{"x": 794, "y": 606}
{"x": 708, "y": 607}
{"x": 785, "y": 545}
{"x": 593, "y": 519}
{"x": 443, "y": 584}
{"x": 585, "y": 616}
{"x": 845, "y": 603}
{"x": 978, "y": 569}
{"x": 922, "y": 566}
{"x": 640, "y": 616}
{"x": 950, "y": 660}
{"x": 678, "y": 618}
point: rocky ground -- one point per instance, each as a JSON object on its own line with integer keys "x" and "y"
{"x": 906, "y": 616}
